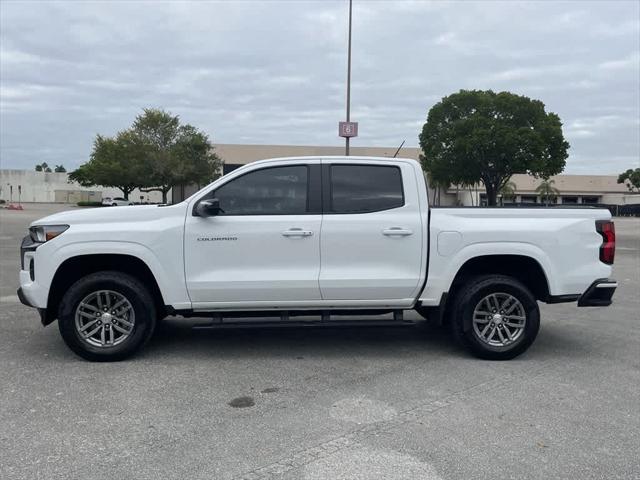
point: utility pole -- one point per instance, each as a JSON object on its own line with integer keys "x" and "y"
{"x": 346, "y": 150}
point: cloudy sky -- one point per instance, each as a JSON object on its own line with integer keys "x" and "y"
{"x": 274, "y": 72}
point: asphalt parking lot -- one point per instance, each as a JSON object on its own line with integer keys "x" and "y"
{"x": 333, "y": 403}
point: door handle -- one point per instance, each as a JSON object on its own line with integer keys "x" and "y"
{"x": 402, "y": 232}
{"x": 297, "y": 232}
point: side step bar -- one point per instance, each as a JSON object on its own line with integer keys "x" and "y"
{"x": 240, "y": 320}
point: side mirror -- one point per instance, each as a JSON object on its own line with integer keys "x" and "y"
{"x": 209, "y": 208}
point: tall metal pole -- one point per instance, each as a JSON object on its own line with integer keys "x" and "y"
{"x": 348, "y": 81}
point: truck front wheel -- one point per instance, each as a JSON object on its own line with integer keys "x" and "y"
{"x": 495, "y": 317}
{"x": 106, "y": 316}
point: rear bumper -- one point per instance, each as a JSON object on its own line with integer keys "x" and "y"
{"x": 599, "y": 293}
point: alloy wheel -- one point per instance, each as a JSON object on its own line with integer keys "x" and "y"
{"x": 104, "y": 318}
{"x": 499, "y": 320}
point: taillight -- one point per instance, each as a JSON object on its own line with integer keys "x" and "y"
{"x": 607, "y": 229}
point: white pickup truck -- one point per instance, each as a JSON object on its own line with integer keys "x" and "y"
{"x": 313, "y": 236}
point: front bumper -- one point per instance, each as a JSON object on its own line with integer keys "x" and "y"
{"x": 23, "y": 299}
{"x": 599, "y": 293}
{"x": 31, "y": 292}
{"x": 44, "y": 319}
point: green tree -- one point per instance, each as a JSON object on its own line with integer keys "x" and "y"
{"x": 173, "y": 154}
{"x": 155, "y": 154}
{"x": 115, "y": 162}
{"x": 631, "y": 178}
{"x": 548, "y": 193}
{"x": 474, "y": 136}
{"x": 60, "y": 169}
{"x": 43, "y": 167}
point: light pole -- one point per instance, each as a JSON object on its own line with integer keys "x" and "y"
{"x": 346, "y": 147}
{"x": 348, "y": 128}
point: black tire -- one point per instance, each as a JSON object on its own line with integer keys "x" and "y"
{"x": 129, "y": 287}
{"x": 468, "y": 296}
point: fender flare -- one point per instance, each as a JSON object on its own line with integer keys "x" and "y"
{"x": 166, "y": 287}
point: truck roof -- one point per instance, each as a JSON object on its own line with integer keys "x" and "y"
{"x": 342, "y": 157}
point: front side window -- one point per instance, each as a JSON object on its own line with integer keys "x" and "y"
{"x": 365, "y": 188}
{"x": 269, "y": 191}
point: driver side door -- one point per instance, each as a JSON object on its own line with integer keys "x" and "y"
{"x": 263, "y": 248}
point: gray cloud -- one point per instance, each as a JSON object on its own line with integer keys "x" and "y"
{"x": 274, "y": 72}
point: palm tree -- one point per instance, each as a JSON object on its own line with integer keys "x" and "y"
{"x": 436, "y": 186}
{"x": 548, "y": 193}
{"x": 508, "y": 191}
{"x": 469, "y": 187}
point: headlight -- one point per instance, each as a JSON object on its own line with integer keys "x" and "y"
{"x": 44, "y": 233}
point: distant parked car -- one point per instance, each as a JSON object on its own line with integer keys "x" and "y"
{"x": 115, "y": 202}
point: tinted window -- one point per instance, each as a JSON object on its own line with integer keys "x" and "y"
{"x": 270, "y": 191}
{"x": 365, "y": 188}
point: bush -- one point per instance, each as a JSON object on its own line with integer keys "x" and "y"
{"x": 89, "y": 204}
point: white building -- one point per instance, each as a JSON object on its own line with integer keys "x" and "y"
{"x": 573, "y": 190}
{"x": 32, "y": 186}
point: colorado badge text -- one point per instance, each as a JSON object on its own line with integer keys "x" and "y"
{"x": 217, "y": 239}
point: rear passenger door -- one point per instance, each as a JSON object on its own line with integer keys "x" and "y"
{"x": 371, "y": 238}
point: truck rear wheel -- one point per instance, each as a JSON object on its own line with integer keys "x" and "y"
{"x": 495, "y": 317}
{"x": 106, "y": 316}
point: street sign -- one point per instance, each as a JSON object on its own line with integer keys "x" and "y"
{"x": 348, "y": 129}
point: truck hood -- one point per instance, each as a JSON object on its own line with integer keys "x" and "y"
{"x": 109, "y": 214}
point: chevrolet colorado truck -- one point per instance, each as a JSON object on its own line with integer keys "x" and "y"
{"x": 313, "y": 236}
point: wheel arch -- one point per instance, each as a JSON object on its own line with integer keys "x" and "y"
{"x": 79, "y": 266}
{"x": 523, "y": 268}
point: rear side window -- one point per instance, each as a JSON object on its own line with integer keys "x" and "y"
{"x": 365, "y": 188}
{"x": 269, "y": 191}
